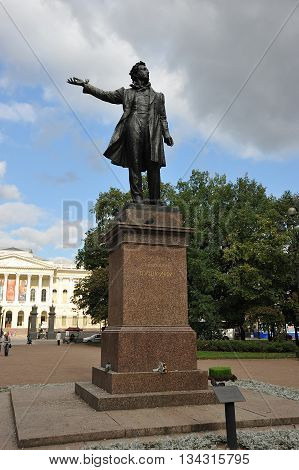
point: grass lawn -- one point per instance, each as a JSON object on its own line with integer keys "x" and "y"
{"x": 242, "y": 355}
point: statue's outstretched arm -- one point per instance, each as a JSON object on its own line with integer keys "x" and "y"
{"x": 77, "y": 81}
{"x": 113, "y": 97}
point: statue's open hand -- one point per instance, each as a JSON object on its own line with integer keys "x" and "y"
{"x": 169, "y": 141}
{"x": 77, "y": 81}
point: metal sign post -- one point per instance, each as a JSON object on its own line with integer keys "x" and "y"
{"x": 229, "y": 395}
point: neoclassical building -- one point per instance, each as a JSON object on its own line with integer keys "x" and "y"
{"x": 27, "y": 280}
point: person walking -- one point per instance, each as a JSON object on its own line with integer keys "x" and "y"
{"x": 6, "y": 344}
{"x": 58, "y": 338}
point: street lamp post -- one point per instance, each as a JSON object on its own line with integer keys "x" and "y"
{"x": 1, "y": 320}
{"x": 293, "y": 212}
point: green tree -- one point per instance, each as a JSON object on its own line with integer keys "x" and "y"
{"x": 91, "y": 295}
{"x": 269, "y": 319}
{"x": 238, "y": 256}
{"x": 290, "y": 224}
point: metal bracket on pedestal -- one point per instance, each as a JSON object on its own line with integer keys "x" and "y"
{"x": 162, "y": 368}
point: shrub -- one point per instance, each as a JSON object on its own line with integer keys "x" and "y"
{"x": 246, "y": 346}
{"x": 220, "y": 372}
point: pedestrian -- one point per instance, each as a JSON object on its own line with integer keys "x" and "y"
{"x": 29, "y": 340}
{"x": 58, "y": 338}
{"x": 6, "y": 344}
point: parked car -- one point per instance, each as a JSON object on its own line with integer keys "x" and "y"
{"x": 93, "y": 338}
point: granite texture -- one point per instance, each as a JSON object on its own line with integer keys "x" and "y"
{"x": 140, "y": 349}
{"x": 146, "y": 382}
{"x": 149, "y": 214}
{"x": 101, "y": 400}
{"x": 148, "y": 286}
{"x": 146, "y": 234}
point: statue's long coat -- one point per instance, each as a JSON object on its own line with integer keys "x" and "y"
{"x": 157, "y": 122}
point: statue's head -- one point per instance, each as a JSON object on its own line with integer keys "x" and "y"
{"x": 139, "y": 71}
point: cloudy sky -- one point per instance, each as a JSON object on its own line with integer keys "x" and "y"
{"x": 229, "y": 70}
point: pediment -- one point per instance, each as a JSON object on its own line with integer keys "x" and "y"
{"x": 25, "y": 263}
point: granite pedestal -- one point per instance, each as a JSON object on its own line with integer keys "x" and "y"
{"x": 148, "y": 315}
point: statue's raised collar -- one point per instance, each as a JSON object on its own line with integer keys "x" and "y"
{"x": 138, "y": 87}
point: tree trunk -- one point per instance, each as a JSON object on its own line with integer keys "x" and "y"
{"x": 242, "y": 333}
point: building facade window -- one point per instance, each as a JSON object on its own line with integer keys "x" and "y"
{"x": 63, "y": 321}
{"x": 84, "y": 320}
{"x": 20, "y": 320}
{"x": 32, "y": 295}
{"x": 54, "y": 296}
{"x": 64, "y": 296}
{"x": 8, "y": 319}
{"x": 44, "y": 317}
{"x": 75, "y": 321}
{"x": 44, "y": 295}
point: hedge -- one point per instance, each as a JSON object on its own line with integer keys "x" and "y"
{"x": 245, "y": 346}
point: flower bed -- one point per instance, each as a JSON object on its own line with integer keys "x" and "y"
{"x": 282, "y": 439}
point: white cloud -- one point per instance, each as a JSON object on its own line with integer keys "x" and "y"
{"x": 199, "y": 53}
{"x": 2, "y": 168}
{"x": 30, "y": 238}
{"x": 18, "y": 213}
{"x": 17, "y": 112}
{"x": 7, "y": 241}
{"x": 61, "y": 235}
{"x": 4, "y": 82}
{"x": 9, "y": 191}
{"x": 39, "y": 238}
{"x": 63, "y": 261}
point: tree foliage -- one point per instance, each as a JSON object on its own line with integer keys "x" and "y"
{"x": 91, "y": 295}
{"x": 241, "y": 255}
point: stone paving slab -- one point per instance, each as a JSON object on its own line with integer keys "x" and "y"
{"x": 54, "y": 414}
{"x": 8, "y": 438}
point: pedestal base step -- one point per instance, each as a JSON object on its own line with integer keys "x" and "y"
{"x": 149, "y": 382}
{"x": 101, "y": 400}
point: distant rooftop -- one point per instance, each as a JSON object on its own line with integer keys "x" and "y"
{"x": 15, "y": 249}
{"x": 28, "y": 253}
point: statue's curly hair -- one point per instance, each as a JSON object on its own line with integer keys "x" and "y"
{"x": 134, "y": 69}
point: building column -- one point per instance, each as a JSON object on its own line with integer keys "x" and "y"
{"x": 72, "y": 285}
{"x": 28, "y": 289}
{"x": 17, "y": 288}
{"x": 59, "y": 291}
{"x": 51, "y": 289}
{"x": 5, "y": 287}
{"x": 39, "y": 289}
{"x": 14, "y": 319}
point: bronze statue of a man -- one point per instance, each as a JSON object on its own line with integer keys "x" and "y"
{"x": 137, "y": 141}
